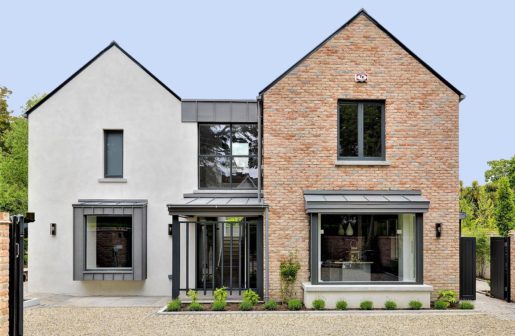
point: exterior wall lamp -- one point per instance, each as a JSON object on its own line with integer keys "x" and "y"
{"x": 170, "y": 229}
{"x": 53, "y": 229}
{"x": 438, "y": 228}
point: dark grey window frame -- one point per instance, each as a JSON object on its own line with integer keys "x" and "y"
{"x": 314, "y": 254}
{"x": 360, "y": 156}
{"x": 137, "y": 209}
{"x": 228, "y": 157}
{"x": 106, "y": 132}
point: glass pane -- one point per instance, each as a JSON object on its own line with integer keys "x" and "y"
{"x": 244, "y": 139}
{"x": 108, "y": 242}
{"x": 348, "y": 130}
{"x": 372, "y": 144}
{"x": 368, "y": 248}
{"x": 114, "y": 153}
{"x": 214, "y": 172}
{"x": 214, "y": 139}
{"x": 244, "y": 173}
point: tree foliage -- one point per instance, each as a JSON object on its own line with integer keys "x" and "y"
{"x": 5, "y": 114}
{"x": 14, "y": 159}
{"x": 501, "y": 168}
{"x": 505, "y": 212}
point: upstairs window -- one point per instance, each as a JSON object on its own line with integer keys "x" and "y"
{"x": 113, "y": 153}
{"x": 228, "y": 156}
{"x": 361, "y": 130}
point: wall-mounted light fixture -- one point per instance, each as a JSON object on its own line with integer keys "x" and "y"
{"x": 53, "y": 229}
{"x": 170, "y": 231}
{"x": 438, "y": 228}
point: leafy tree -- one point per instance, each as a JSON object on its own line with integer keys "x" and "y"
{"x": 14, "y": 163}
{"x": 5, "y": 114}
{"x": 501, "y": 168}
{"x": 505, "y": 209}
{"x": 14, "y": 168}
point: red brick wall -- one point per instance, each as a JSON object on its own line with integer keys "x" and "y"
{"x": 4, "y": 273}
{"x": 300, "y": 141}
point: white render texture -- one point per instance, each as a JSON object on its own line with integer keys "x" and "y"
{"x": 66, "y": 164}
{"x": 378, "y": 294}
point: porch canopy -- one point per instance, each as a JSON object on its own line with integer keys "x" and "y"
{"x": 365, "y": 201}
{"x": 207, "y": 204}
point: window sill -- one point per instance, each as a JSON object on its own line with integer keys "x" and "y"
{"x": 361, "y": 163}
{"x": 112, "y": 180}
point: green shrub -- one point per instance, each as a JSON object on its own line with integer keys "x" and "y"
{"x": 220, "y": 294}
{"x": 415, "y": 304}
{"x": 218, "y": 305}
{"x": 318, "y": 304}
{"x": 270, "y": 305}
{"x": 246, "y": 305}
{"x": 441, "y": 305}
{"x": 390, "y": 305}
{"x": 174, "y": 305}
{"x": 294, "y": 304}
{"x": 448, "y": 296}
{"x": 288, "y": 269}
{"x": 251, "y": 296}
{"x": 366, "y": 305}
{"x": 341, "y": 305}
{"x": 193, "y": 295}
{"x": 466, "y": 305}
{"x": 195, "y": 306}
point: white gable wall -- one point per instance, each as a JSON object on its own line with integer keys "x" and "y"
{"x": 66, "y": 162}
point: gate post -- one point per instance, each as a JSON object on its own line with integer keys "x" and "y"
{"x": 511, "y": 267}
{"x": 4, "y": 272}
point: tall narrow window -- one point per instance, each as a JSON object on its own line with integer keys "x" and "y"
{"x": 360, "y": 130}
{"x": 113, "y": 153}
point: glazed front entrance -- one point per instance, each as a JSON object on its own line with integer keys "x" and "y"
{"x": 215, "y": 252}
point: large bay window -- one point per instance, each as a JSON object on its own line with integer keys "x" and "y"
{"x": 368, "y": 248}
{"x": 108, "y": 242}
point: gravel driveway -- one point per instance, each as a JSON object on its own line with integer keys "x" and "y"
{"x": 51, "y": 320}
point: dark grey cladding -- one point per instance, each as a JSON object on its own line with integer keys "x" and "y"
{"x": 365, "y": 201}
{"x": 235, "y": 111}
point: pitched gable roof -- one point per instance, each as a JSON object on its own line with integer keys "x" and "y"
{"x": 378, "y": 25}
{"x": 111, "y": 45}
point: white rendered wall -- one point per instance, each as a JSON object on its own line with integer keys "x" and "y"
{"x": 66, "y": 163}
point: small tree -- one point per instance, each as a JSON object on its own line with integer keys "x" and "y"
{"x": 289, "y": 269}
{"x": 505, "y": 209}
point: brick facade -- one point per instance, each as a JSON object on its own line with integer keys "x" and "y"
{"x": 300, "y": 143}
{"x": 4, "y": 273}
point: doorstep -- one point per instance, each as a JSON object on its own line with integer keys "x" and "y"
{"x": 378, "y": 294}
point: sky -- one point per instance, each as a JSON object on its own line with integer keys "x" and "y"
{"x": 233, "y": 49}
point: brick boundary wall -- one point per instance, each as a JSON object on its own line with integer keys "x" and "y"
{"x": 4, "y": 273}
{"x": 512, "y": 264}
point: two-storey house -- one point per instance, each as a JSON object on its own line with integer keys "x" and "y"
{"x": 348, "y": 159}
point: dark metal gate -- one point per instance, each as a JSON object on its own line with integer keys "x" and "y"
{"x": 16, "y": 248}
{"x": 467, "y": 268}
{"x": 500, "y": 267}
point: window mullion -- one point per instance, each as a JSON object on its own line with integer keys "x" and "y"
{"x": 360, "y": 130}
